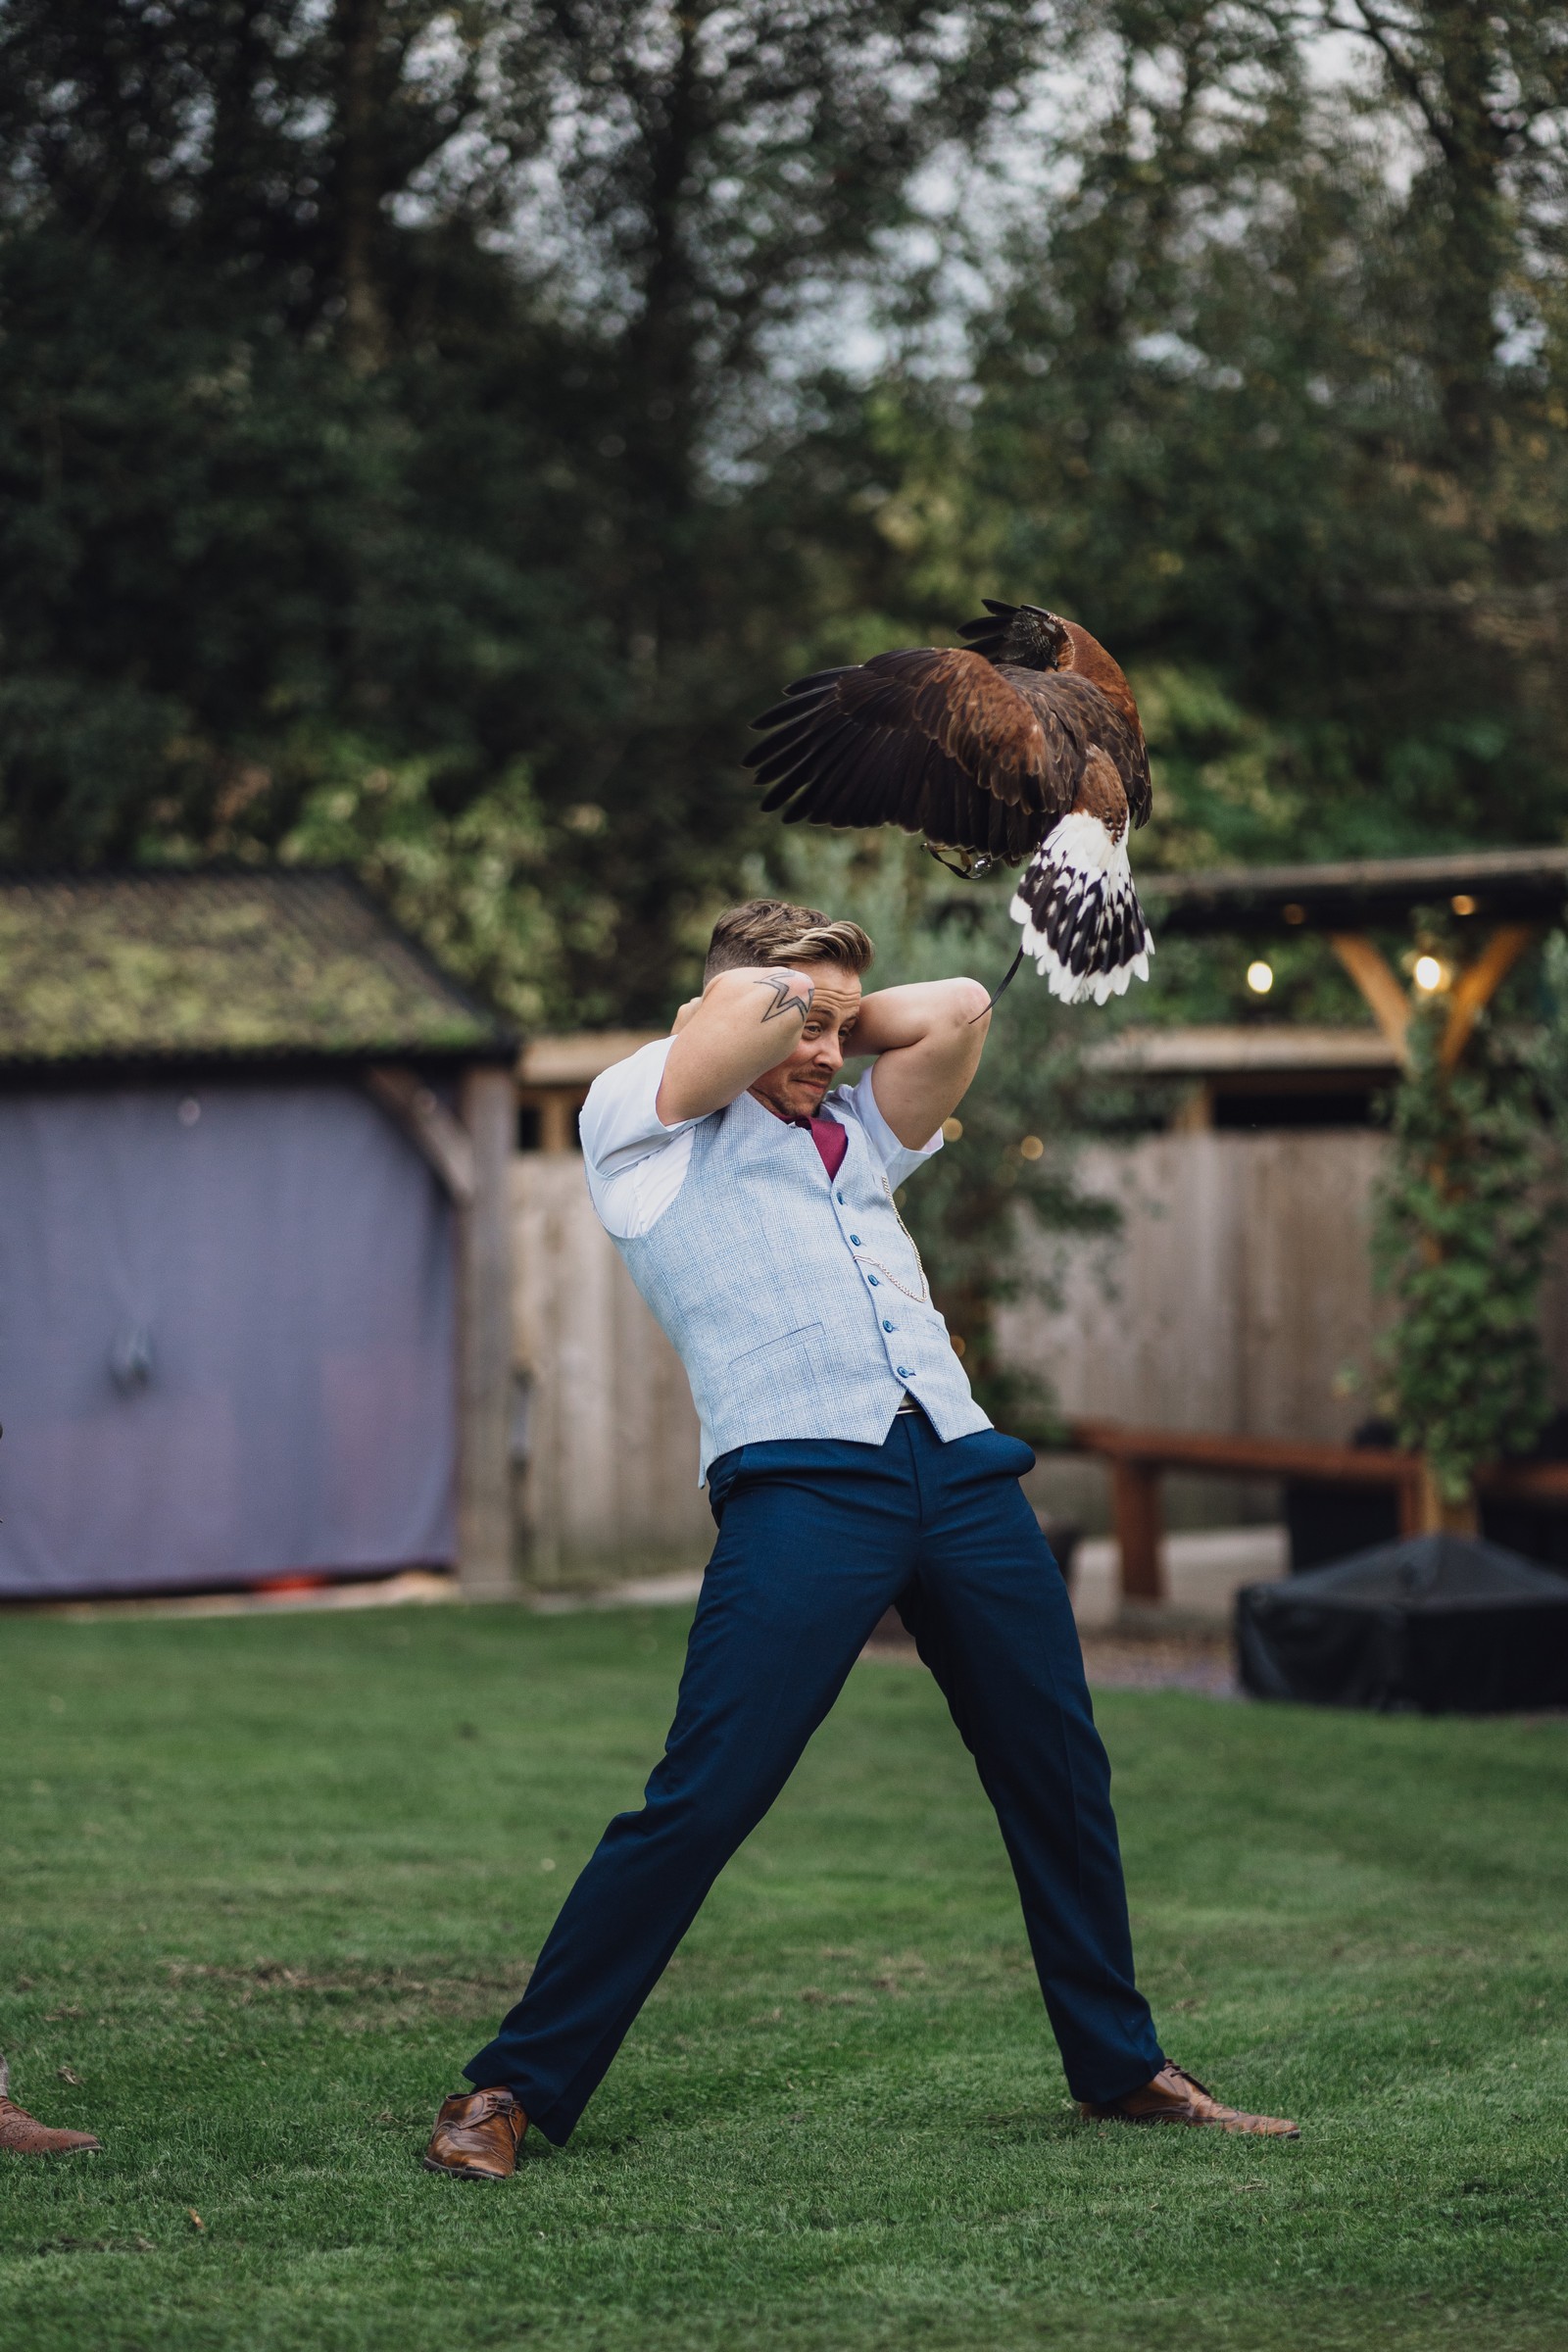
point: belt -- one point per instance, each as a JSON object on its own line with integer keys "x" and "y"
{"x": 907, "y": 1406}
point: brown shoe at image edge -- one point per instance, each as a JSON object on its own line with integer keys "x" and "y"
{"x": 1177, "y": 2097}
{"x": 476, "y": 2136}
{"x": 21, "y": 2134}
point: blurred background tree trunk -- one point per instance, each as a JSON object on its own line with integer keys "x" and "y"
{"x": 358, "y": 180}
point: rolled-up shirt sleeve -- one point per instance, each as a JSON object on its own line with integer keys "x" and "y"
{"x": 634, "y": 1164}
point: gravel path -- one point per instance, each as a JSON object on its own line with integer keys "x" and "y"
{"x": 1200, "y": 1662}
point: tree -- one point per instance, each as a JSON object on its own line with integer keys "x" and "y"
{"x": 1486, "y": 90}
{"x": 1208, "y": 415}
{"x": 470, "y": 391}
{"x": 418, "y": 380}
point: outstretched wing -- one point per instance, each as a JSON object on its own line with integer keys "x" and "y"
{"x": 947, "y": 744}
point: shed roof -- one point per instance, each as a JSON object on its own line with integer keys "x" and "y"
{"x": 1358, "y": 893}
{"x": 179, "y": 966}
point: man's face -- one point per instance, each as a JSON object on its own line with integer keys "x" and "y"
{"x": 794, "y": 1089}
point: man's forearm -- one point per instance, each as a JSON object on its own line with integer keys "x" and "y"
{"x": 928, "y": 1038}
{"x": 895, "y": 1017}
{"x": 744, "y": 1023}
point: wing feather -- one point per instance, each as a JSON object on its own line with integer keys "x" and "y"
{"x": 937, "y": 742}
{"x": 849, "y": 779}
{"x": 958, "y": 814}
{"x": 976, "y": 753}
{"x": 845, "y": 790}
{"x": 814, "y": 784}
{"x": 784, "y": 713}
{"x": 965, "y": 706}
{"x": 783, "y": 758}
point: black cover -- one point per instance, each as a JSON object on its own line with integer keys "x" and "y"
{"x": 1329, "y": 1520}
{"x": 1441, "y": 1622}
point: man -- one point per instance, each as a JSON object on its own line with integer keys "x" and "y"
{"x": 849, "y": 1468}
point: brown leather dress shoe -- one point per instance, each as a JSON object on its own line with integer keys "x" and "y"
{"x": 1177, "y": 2097}
{"x": 476, "y": 2136}
{"x": 24, "y": 2135}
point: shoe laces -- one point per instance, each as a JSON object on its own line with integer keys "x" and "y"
{"x": 1171, "y": 2068}
{"x": 490, "y": 2103}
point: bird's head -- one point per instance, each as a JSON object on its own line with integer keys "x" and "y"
{"x": 1038, "y": 639}
{"x": 1026, "y": 635}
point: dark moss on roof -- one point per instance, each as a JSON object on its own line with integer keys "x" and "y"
{"x": 196, "y": 965}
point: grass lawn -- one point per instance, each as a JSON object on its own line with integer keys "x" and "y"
{"x": 263, "y": 1884}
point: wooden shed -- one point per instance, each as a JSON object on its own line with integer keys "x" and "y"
{"x": 254, "y": 1241}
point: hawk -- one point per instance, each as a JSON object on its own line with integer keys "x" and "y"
{"x": 1022, "y": 743}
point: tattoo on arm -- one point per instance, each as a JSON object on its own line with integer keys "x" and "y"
{"x": 785, "y": 1000}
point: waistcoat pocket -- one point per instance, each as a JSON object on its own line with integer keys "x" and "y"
{"x": 794, "y": 1357}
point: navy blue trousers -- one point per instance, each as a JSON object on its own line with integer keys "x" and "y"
{"x": 816, "y": 1539}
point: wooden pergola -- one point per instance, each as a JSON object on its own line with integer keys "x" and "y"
{"x": 1504, "y": 900}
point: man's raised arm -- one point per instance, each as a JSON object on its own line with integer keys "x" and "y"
{"x": 928, "y": 1038}
{"x": 744, "y": 1022}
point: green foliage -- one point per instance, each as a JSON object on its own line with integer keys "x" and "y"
{"x": 1228, "y": 408}
{"x": 1470, "y": 1200}
{"x": 1546, "y": 1056}
{"x": 472, "y": 884}
{"x": 268, "y": 1883}
{"x": 981, "y": 1212}
{"x": 408, "y": 375}
{"x": 497, "y": 385}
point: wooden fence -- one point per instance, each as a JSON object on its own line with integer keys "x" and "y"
{"x": 605, "y": 1434}
{"x": 1236, "y": 1297}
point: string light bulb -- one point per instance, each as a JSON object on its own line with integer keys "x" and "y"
{"x": 1428, "y": 974}
{"x": 1260, "y": 977}
{"x": 1032, "y": 1148}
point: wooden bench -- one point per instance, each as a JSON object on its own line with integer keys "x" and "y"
{"x": 1139, "y": 1459}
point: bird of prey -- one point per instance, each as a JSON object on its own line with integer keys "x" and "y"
{"x": 1024, "y": 742}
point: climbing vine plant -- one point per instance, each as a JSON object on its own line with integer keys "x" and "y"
{"x": 1470, "y": 1200}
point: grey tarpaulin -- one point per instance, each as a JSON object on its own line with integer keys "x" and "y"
{"x": 1438, "y": 1622}
{"x": 226, "y": 1339}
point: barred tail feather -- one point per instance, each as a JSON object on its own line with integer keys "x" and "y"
{"x": 1081, "y": 919}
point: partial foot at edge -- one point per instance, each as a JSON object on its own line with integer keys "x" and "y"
{"x": 21, "y": 2134}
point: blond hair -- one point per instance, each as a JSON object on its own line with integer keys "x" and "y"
{"x": 768, "y": 931}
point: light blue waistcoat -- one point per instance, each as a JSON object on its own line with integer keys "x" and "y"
{"x": 796, "y": 1303}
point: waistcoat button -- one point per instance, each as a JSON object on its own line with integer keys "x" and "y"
{"x": 855, "y": 1241}
{"x": 904, "y": 1372}
{"x": 874, "y": 1281}
{"x": 887, "y": 1326}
